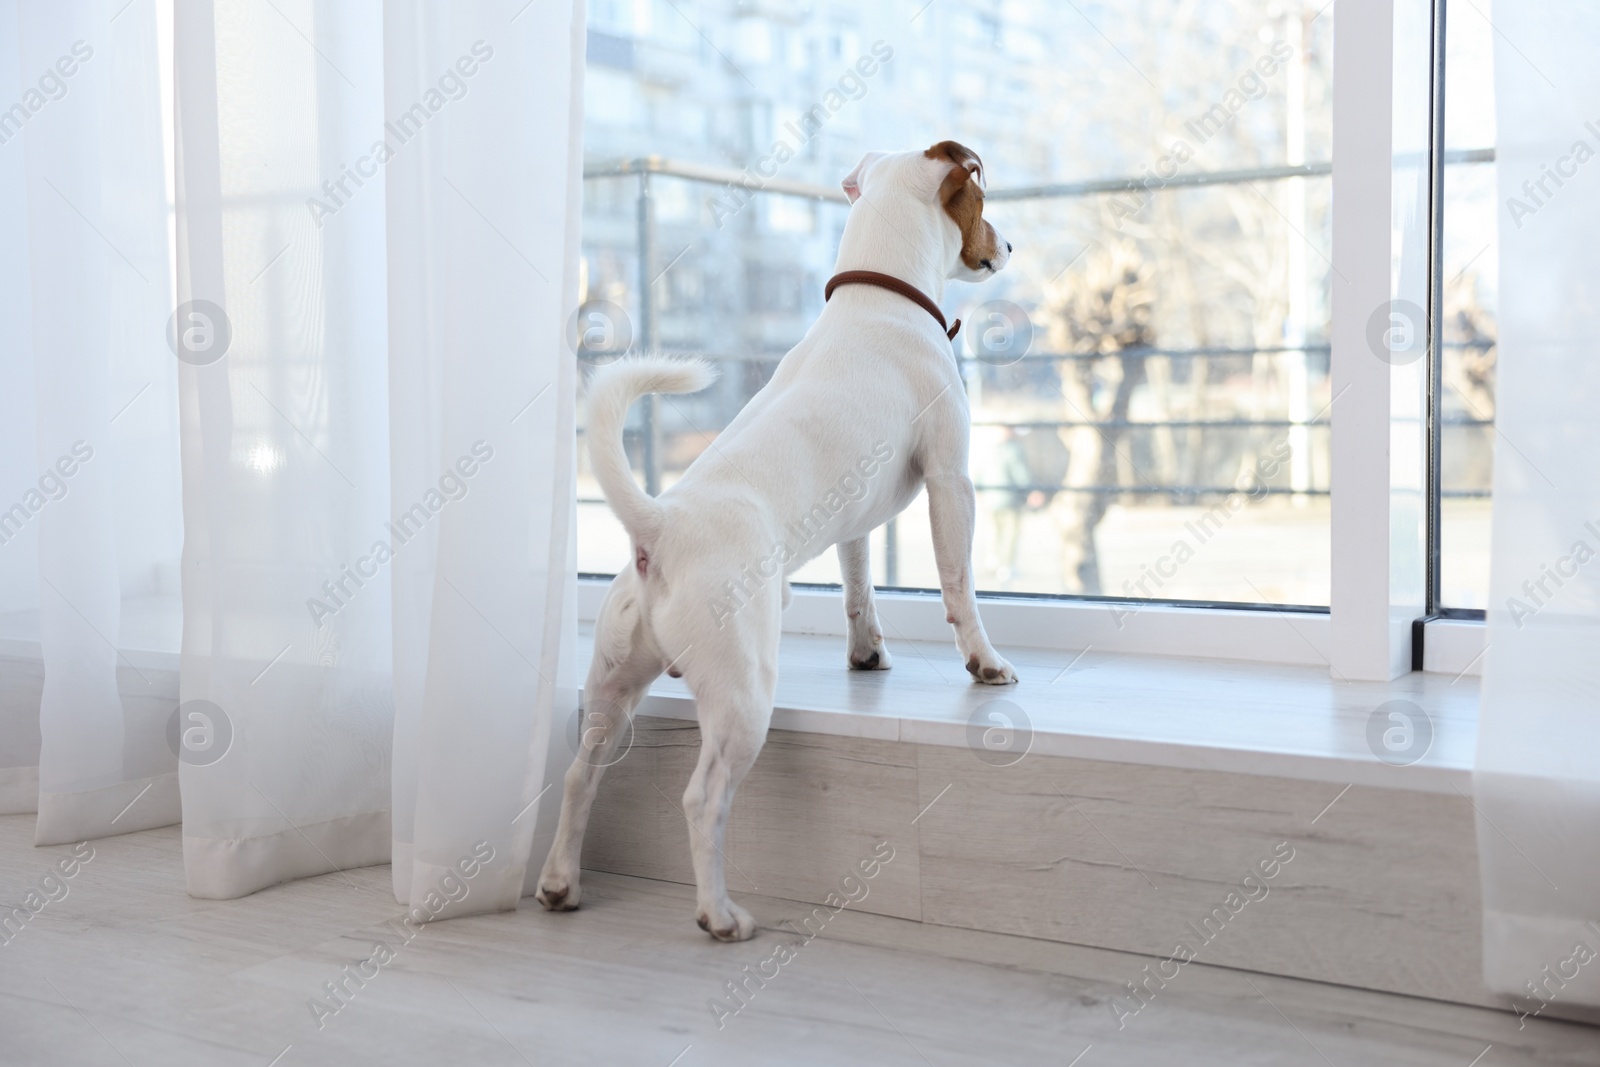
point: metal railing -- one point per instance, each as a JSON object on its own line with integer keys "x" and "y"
{"x": 644, "y": 169}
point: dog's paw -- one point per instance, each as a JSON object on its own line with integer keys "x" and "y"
{"x": 727, "y": 922}
{"x": 873, "y": 659}
{"x": 991, "y": 668}
{"x": 864, "y": 649}
{"x": 558, "y": 894}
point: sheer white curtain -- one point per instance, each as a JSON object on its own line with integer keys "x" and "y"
{"x": 483, "y": 213}
{"x": 21, "y": 672}
{"x": 378, "y": 205}
{"x": 88, "y": 567}
{"x": 357, "y": 426}
{"x": 285, "y": 444}
{"x": 1537, "y": 778}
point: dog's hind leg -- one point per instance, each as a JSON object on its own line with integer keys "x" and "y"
{"x": 865, "y": 650}
{"x": 625, "y": 663}
{"x": 733, "y": 725}
{"x": 733, "y": 674}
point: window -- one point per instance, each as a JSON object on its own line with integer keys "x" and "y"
{"x": 1149, "y": 380}
{"x": 1465, "y": 357}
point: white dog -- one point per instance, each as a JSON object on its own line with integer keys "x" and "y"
{"x": 868, "y": 409}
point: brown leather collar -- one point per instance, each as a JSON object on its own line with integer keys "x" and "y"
{"x": 894, "y": 285}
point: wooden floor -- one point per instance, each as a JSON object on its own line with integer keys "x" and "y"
{"x": 126, "y": 969}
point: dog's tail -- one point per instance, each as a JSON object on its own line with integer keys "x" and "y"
{"x": 612, "y": 389}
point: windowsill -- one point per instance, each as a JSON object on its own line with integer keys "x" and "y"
{"x": 151, "y": 635}
{"x": 1218, "y": 633}
{"x": 1199, "y": 714}
{"x": 1284, "y": 720}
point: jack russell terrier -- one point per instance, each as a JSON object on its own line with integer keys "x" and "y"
{"x": 868, "y": 409}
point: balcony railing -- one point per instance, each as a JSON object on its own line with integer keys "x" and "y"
{"x": 645, "y": 169}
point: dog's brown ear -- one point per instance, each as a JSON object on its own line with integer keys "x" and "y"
{"x": 960, "y": 156}
{"x": 961, "y": 194}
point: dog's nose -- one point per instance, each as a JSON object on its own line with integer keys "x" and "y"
{"x": 1008, "y": 246}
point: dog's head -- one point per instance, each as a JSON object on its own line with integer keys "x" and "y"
{"x": 948, "y": 180}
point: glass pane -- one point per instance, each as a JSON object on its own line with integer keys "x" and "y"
{"x": 1164, "y": 434}
{"x": 1471, "y": 255}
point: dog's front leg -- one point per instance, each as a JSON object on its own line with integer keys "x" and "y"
{"x": 952, "y": 512}
{"x": 865, "y": 650}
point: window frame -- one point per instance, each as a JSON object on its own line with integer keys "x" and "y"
{"x": 1444, "y": 156}
{"x": 1387, "y": 180}
{"x": 1445, "y": 639}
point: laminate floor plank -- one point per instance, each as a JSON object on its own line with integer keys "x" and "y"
{"x": 127, "y": 969}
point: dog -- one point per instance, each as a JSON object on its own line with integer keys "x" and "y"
{"x": 866, "y": 411}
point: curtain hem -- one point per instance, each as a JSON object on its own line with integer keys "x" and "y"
{"x": 124, "y": 808}
{"x": 226, "y": 868}
{"x": 434, "y": 891}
